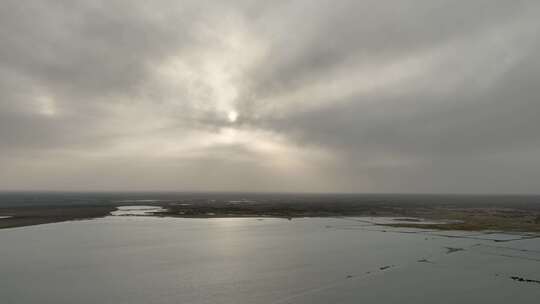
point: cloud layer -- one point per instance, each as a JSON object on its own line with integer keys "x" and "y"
{"x": 356, "y": 96}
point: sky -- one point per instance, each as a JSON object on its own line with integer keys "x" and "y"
{"x": 410, "y": 96}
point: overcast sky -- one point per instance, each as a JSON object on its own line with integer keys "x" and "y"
{"x": 359, "y": 96}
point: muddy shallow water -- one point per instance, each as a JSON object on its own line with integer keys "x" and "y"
{"x": 130, "y": 259}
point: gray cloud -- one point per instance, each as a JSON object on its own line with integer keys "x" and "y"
{"x": 415, "y": 96}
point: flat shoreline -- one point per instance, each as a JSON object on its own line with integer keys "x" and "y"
{"x": 30, "y": 216}
{"x": 469, "y": 218}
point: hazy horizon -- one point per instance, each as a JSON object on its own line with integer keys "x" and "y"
{"x": 247, "y": 192}
{"x": 307, "y": 96}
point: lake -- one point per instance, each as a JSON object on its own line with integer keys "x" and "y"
{"x": 136, "y": 259}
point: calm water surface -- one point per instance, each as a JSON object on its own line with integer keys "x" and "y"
{"x": 165, "y": 260}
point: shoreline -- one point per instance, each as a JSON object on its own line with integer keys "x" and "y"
{"x": 473, "y": 218}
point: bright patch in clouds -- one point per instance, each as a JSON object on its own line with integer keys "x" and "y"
{"x": 46, "y": 106}
{"x": 232, "y": 116}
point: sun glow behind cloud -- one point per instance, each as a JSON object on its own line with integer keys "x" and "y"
{"x": 201, "y": 85}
